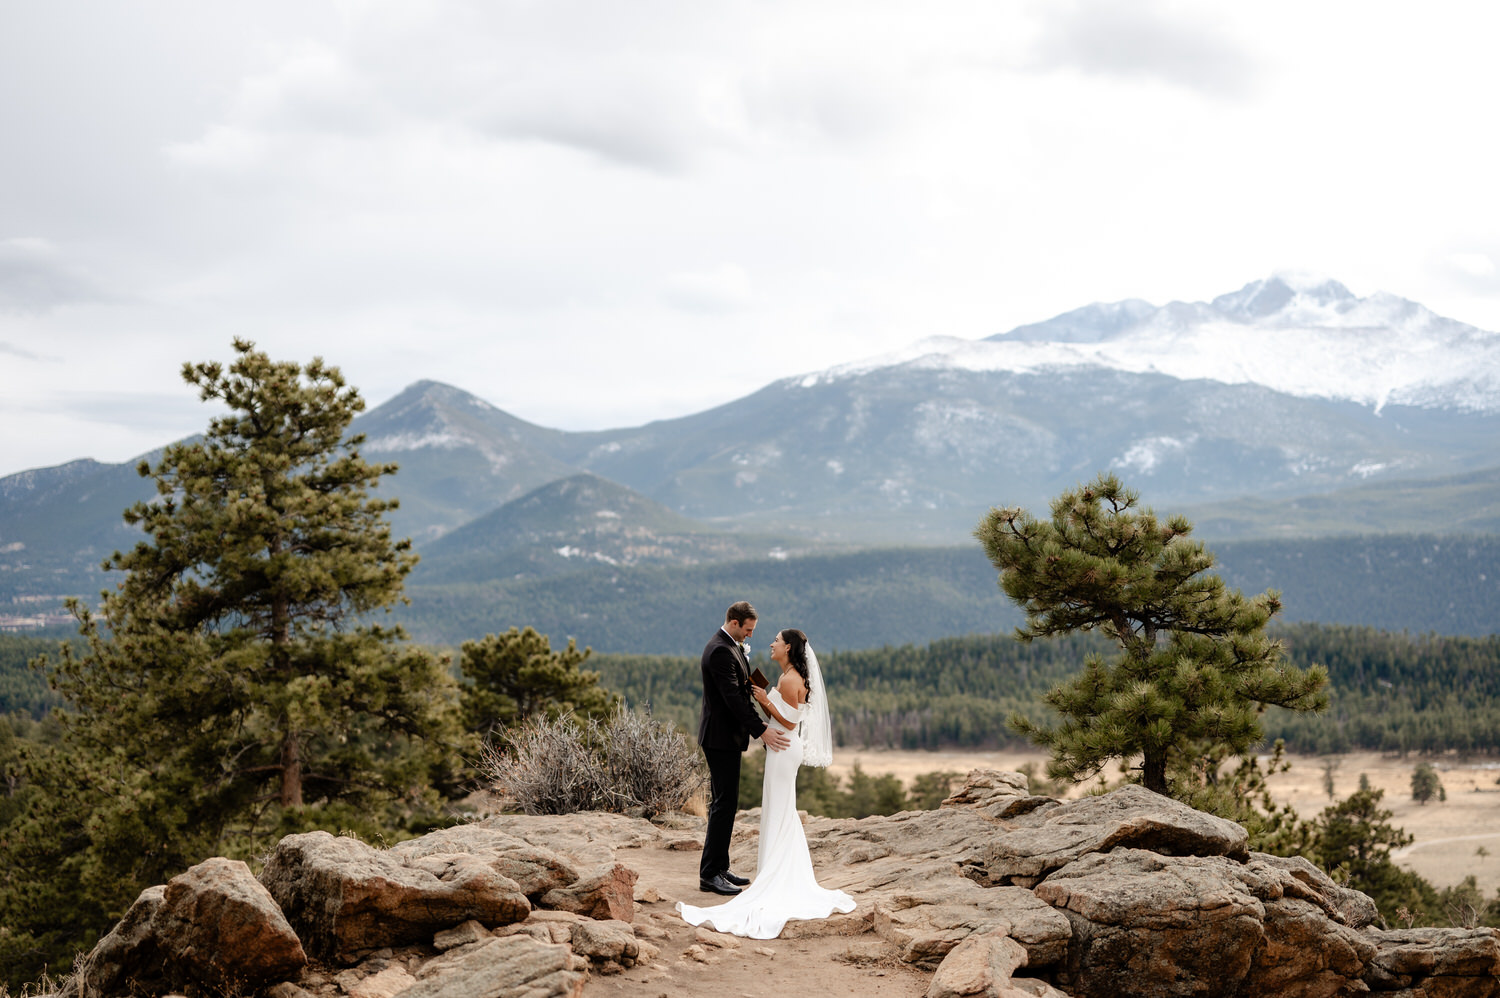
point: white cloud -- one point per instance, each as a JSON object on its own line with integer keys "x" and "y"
{"x": 1473, "y": 264}
{"x": 723, "y": 289}
{"x": 36, "y": 277}
{"x": 502, "y": 194}
{"x": 1180, "y": 46}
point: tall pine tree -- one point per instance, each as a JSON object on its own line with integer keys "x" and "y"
{"x": 232, "y": 686}
{"x": 1195, "y": 667}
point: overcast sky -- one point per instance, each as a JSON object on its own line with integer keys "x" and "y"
{"x": 598, "y": 214}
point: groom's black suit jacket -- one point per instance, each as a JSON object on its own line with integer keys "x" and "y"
{"x": 729, "y": 718}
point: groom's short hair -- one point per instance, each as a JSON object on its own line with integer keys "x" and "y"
{"x": 740, "y": 612}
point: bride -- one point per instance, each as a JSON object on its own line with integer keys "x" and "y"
{"x": 784, "y": 885}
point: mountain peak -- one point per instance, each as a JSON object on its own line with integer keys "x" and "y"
{"x": 1263, "y": 298}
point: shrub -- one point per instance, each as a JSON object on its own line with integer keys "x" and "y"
{"x": 628, "y": 762}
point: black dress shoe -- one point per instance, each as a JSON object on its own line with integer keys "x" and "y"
{"x": 718, "y": 885}
{"x": 735, "y": 878}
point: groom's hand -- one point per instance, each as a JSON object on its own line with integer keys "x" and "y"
{"x": 775, "y": 738}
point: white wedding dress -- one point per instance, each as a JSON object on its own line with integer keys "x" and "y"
{"x": 784, "y": 886}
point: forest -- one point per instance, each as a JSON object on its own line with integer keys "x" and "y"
{"x": 1389, "y": 691}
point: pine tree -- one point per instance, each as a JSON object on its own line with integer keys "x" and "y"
{"x": 232, "y": 686}
{"x": 1195, "y": 666}
{"x": 1426, "y": 784}
{"x": 517, "y": 674}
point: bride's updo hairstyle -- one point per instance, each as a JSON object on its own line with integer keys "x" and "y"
{"x": 796, "y": 653}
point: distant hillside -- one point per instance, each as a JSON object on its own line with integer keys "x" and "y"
{"x": 1418, "y": 583}
{"x": 580, "y": 520}
{"x": 857, "y": 600}
{"x": 1468, "y": 503}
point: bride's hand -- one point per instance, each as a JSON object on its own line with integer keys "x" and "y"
{"x": 760, "y": 696}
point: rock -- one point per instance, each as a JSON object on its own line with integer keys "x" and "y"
{"x": 343, "y": 896}
{"x": 535, "y": 869}
{"x": 286, "y": 989}
{"x": 606, "y": 940}
{"x": 997, "y": 793}
{"x": 460, "y": 935}
{"x": 609, "y": 892}
{"x": 924, "y": 927}
{"x": 211, "y": 927}
{"x": 503, "y": 968}
{"x": 720, "y": 940}
{"x": 646, "y": 895}
{"x": 127, "y": 958}
{"x": 1048, "y": 838}
{"x": 588, "y": 839}
{"x": 1146, "y": 924}
{"x": 386, "y": 984}
{"x": 219, "y": 928}
{"x": 1300, "y": 879}
{"x": 696, "y": 952}
{"x": 864, "y": 951}
{"x": 1030, "y": 987}
{"x": 978, "y": 967}
{"x": 1437, "y": 962}
{"x": 852, "y": 923}
{"x": 1305, "y": 953}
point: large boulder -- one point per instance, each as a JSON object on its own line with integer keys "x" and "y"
{"x": 213, "y": 927}
{"x": 924, "y": 926}
{"x": 536, "y": 869}
{"x": 1155, "y": 926}
{"x": 1436, "y": 963}
{"x": 127, "y": 960}
{"x": 1305, "y": 954}
{"x": 1046, "y": 838}
{"x": 607, "y": 893}
{"x": 978, "y": 967}
{"x": 344, "y": 897}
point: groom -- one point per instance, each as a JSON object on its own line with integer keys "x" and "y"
{"x": 729, "y": 722}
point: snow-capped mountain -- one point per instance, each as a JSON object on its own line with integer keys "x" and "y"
{"x": 1283, "y": 389}
{"x": 1306, "y": 337}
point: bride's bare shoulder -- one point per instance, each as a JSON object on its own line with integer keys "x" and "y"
{"x": 793, "y": 689}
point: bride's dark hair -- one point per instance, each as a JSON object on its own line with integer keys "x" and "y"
{"x": 796, "y": 653}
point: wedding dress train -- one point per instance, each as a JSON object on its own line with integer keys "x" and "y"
{"x": 784, "y": 885}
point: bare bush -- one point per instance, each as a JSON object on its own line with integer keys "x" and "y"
{"x": 629, "y": 762}
{"x": 543, "y": 766}
{"x": 648, "y": 764}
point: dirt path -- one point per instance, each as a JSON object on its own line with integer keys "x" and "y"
{"x": 753, "y": 968}
{"x": 1408, "y": 850}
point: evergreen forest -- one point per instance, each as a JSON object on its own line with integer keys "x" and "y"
{"x": 1389, "y": 692}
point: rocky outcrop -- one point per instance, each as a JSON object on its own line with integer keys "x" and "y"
{"x": 344, "y": 896}
{"x": 999, "y": 893}
{"x": 213, "y": 926}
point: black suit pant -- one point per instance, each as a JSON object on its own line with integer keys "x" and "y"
{"x": 723, "y": 804}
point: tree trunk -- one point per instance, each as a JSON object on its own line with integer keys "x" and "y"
{"x": 1154, "y": 772}
{"x": 291, "y": 770}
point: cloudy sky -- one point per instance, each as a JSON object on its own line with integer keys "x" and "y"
{"x": 596, "y": 214}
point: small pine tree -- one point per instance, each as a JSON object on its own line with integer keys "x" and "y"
{"x": 1330, "y": 766}
{"x": 517, "y": 674}
{"x": 1195, "y": 665}
{"x": 1354, "y": 844}
{"x": 1425, "y": 784}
